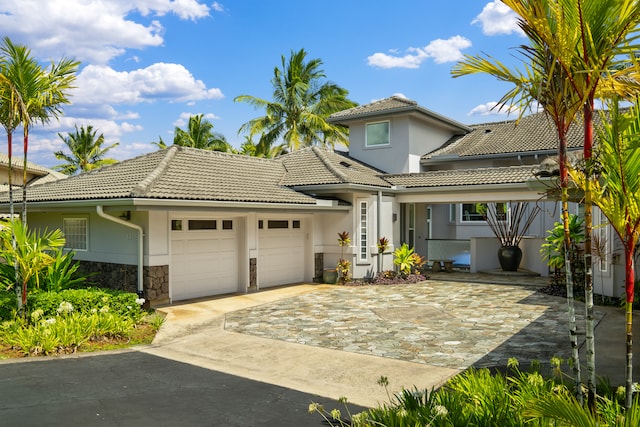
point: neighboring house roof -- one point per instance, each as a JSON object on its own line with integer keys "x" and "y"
{"x": 389, "y": 106}
{"x": 531, "y": 134}
{"x": 36, "y": 174}
{"x": 317, "y": 166}
{"x": 455, "y": 177}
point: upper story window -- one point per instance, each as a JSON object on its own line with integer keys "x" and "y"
{"x": 377, "y": 134}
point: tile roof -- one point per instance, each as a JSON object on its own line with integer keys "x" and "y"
{"x": 392, "y": 105}
{"x": 455, "y": 177}
{"x": 178, "y": 173}
{"x": 317, "y": 166}
{"x": 533, "y": 133}
{"x": 33, "y": 168}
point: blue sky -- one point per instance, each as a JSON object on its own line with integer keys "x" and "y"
{"x": 147, "y": 65}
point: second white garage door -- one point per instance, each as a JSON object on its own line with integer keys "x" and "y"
{"x": 281, "y": 249}
{"x": 204, "y": 258}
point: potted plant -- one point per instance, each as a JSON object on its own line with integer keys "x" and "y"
{"x": 509, "y": 225}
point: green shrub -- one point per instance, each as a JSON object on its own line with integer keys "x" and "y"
{"x": 87, "y": 301}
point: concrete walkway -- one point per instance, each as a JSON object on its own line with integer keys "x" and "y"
{"x": 337, "y": 341}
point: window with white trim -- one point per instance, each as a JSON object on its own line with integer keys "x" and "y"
{"x": 473, "y": 212}
{"x": 76, "y": 233}
{"x": 377, "y": 134}
{"x": 363, "y": 237}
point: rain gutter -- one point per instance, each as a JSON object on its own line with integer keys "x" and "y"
{"x": 136, "y": 227}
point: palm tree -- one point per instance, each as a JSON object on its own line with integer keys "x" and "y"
{"x": 87, "y": 151}
{"x": 261, "y": 149}
{"x": 589, "y": 43}
{"x": 302, "y": 102}
{"x": 42, "y": 92}
{"x": 199, "y": 135}
{"x": 616, "y": 191}
{"x": 545, "y": 82}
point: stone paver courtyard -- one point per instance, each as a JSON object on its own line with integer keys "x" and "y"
{"x": 441, "y": 323}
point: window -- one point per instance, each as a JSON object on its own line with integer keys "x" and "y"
{"x": 227, "y": 224}
{"x": 295, "y": 223}
{"x": 202, "y": 224}
{"x": 452, "y": 213}
{"x": 472, "y": 212}
{"x": 176, "y": 225}
{"x": 76, "y": 233}
{"x": 362, "y": 232}
{"x": 377, "y": 134}
{"x": 272, "y": 223}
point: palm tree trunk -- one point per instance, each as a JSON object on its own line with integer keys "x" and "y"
{"x": 573, "y": 335}
{"x": 24, "y": 175}
{"x": 588, "y": 278}
{"x": 629, "y": 287}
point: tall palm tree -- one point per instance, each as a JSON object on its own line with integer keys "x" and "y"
{"x": 589, "y": 42}
{"x": 302, "y": 102}
{"x": 42, "y": 93}
{"x": 199, "y": 134}
{"x": 87, "y": 151}
{"x": 543, "y": 82}
{"x": 617, "y": 193}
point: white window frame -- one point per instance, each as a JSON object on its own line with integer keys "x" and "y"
{"x": 363, "y": 230}
{"x": 366, "y": 134}
{"x": 81, "y": 227}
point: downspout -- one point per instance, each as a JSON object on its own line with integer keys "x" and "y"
{"x": 379, "y": 227}
{"x": 136, "y": 227}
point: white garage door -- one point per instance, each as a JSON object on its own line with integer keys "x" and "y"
{"x": 204, "y": 258}
{"x": 281, "y": 249}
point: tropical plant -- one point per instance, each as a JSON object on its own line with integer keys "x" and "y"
{"x": 344, "y": 266}
{"x": 383, "y": 244}
{"x": 200, "y": 134}
{"x": 41, "y": 92}
{"x": 553, "y": 249}
{"x": 578, "y": 51}
{"x": 302, "y": 102}
{"x": 31, "y": 254}
{"x": 407, "y": 260}
{"x": 86, "y": 151}
{"x": 616, "y": 192}
{"x": 508, "y": 222}
{"x": 261, "y": 149}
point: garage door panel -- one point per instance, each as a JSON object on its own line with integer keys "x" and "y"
{"x": 203, "y": 263}
{"x": 281, "y": 256}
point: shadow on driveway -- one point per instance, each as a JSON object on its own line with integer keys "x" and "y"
{"x": 136, "y": 389}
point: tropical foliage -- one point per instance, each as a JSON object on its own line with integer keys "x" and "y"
{"x": 616, "y": 191}
{"x": 344, "y": 265}
{"x": 86, "y": 151}
{"x": 302, "y": 102}
{"x": 577, "y": 51}
{"x": 478, "y": 397}
{"x": 407, "y": 259}
{"x": 31, "y": 94}
{"x": 30, "y": 254}
{"x": 199, "y": 134}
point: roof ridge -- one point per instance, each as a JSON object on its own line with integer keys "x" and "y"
{"x": 141, "y": 188}
{"x": 324, "y": 159}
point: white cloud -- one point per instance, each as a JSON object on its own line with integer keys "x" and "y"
{"x": 90, "y": 31}
{"x": 184, "y": 118}
{"x": 493, "y": 108}
{"x": 441, "y": 51}
{"x": 100, "y": 84}
{"x": 217, "y": 7}
{"x": 498, "y": 18}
